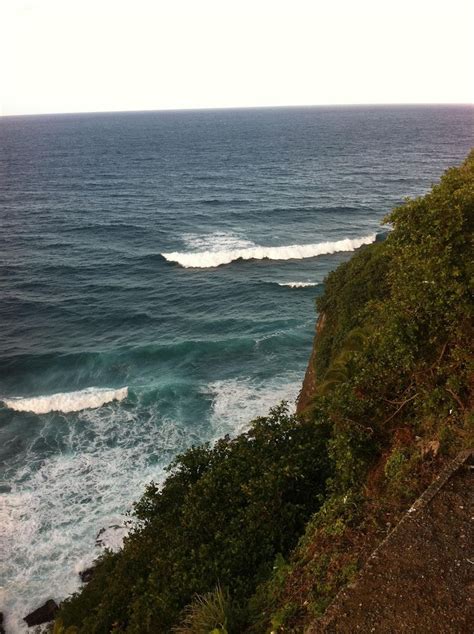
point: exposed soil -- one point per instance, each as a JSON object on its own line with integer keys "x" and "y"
{"x": 421, "y": 579}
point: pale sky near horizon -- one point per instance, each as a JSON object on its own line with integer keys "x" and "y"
{"x": 106, "y": 55}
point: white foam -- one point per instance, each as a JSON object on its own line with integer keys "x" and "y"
{"x": 213, "y": 258}
{"x": 112, "y": 537}
{"x": 90, "y": 398}
{"x": 298, "y": 284}
{"x": 58, "y": 504}
{"x": 216, "y": 241}
{"x": 236, "y": 402}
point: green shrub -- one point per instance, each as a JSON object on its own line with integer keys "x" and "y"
{"x": 210, "y": 613}
{"x": 348, "y": 291}
{"x": 395, "y": 464}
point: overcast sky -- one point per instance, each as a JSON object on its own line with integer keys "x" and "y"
{"x": 101, "y": 55}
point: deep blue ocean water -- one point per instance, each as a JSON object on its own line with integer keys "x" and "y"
{"x": 251, "y": 208}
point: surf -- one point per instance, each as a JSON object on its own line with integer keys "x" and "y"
{"x": 298, "y": 284}
{"x": 65, "y": 402}
{"x": 212, "y": 259}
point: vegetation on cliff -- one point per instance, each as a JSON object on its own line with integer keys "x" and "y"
{"x": 260, "y": 531}
{"x": 393, "y": 367}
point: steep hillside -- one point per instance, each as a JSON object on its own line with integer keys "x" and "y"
{"x": 391, "y": 368}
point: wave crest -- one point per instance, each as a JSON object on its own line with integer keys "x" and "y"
{"x": 90, "y": 398}
{"x": 211, "y": 259}
{"x": 298, "y": 284}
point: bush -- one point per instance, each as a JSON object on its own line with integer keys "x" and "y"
{"x": 210, "y": 613}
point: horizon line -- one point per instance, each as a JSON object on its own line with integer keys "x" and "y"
{"x": 256, "y": 107}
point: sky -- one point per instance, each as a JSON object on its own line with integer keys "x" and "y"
{"x": 112, "y": 55}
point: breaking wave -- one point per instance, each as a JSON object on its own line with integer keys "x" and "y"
{"x": 298, "y": 284}
{"x": 210, "y": 259}
{"x": 90, "y": 398}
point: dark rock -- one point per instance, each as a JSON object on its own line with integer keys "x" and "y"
{"x": 2, "y": 629}
{"x": 86, "y": 575}
{"x": 43, "y": 614}
{"x": 101, "y": 532}
{"x": 98, "y": 539}
{"x": 104, "y": 535}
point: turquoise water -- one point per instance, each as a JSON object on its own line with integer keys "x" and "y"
{"x": 158, "y": 274}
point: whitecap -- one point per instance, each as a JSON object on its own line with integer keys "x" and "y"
{"x": 298, "y": 284}
{"x": 215, "y": 241}
{"x": 213, "y": 258}
{"x": 90, "y": 398}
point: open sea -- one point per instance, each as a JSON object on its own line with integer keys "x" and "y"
{"x": 158, "y": 273}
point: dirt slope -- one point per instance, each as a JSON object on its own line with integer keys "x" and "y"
{"x": 421, "y": 578}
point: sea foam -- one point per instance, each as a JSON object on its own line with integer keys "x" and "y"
{"x": 60, "y": 502}
{"x": 90, "y": 398}
{"x": 236, "y": 402}
{"x": 298, "y": 284}
{"x": 210, "y": 259}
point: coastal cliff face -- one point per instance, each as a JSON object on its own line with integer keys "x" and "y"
{"x": 393, "y": 339}
{"x": 260, "y": 532}
{"x": 309, "y": 382}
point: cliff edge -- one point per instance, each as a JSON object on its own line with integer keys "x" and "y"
{"x": 309, "y": 382}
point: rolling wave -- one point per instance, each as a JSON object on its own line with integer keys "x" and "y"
{"x": 210, "y": 259}
{"x": 90, "y": 398}
{"x": 298, "y": 284}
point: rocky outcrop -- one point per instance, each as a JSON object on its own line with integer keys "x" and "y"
{"x": 41, "y": 615}
{"x": 309, "y": 382}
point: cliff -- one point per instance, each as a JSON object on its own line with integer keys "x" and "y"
{"x": 308, "y": 388}
{"x": 382, "y": 369}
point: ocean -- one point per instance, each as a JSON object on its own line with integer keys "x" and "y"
{"x": 158, "y": 273}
